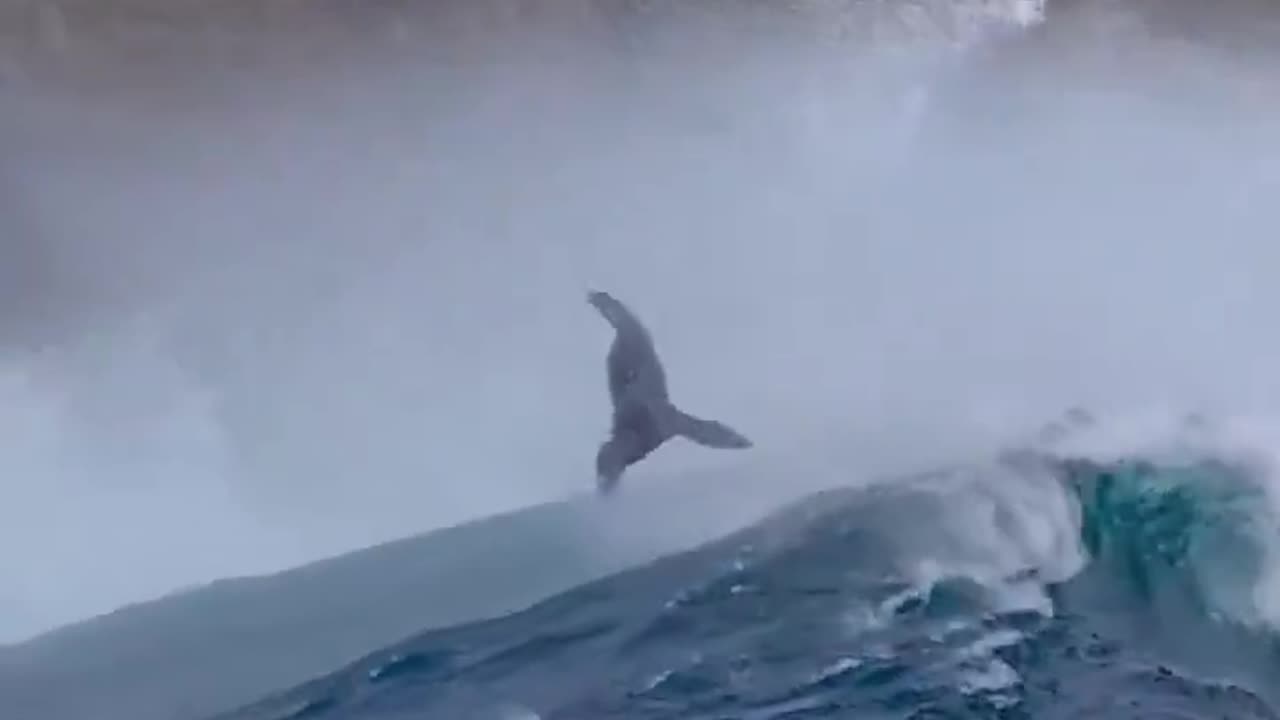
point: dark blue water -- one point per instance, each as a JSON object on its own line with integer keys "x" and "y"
{"x": 1025, "y": 588}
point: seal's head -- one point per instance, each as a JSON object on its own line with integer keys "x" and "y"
{"x": 608, "y": 306}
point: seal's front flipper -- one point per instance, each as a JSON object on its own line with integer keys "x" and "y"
{"x": 709, "y": 433}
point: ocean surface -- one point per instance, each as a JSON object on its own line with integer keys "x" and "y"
{"x": 1048, "y": 582}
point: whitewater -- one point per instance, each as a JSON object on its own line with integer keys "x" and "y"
{"x": 299, "y": 397}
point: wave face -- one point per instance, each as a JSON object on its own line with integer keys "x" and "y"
{"x": 1039, "y": 585}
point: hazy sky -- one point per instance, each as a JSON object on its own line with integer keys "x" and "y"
{"x": 339, "y": 311}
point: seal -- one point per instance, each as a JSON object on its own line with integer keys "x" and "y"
{"x": 643, "y": 415}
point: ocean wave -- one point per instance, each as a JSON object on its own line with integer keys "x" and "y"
{"x": 1041, "y": 584}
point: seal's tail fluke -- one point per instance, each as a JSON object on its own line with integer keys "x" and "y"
{"x": 709, "y": 433}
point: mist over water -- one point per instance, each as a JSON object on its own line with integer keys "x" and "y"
{"x": 331, "y": 309}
